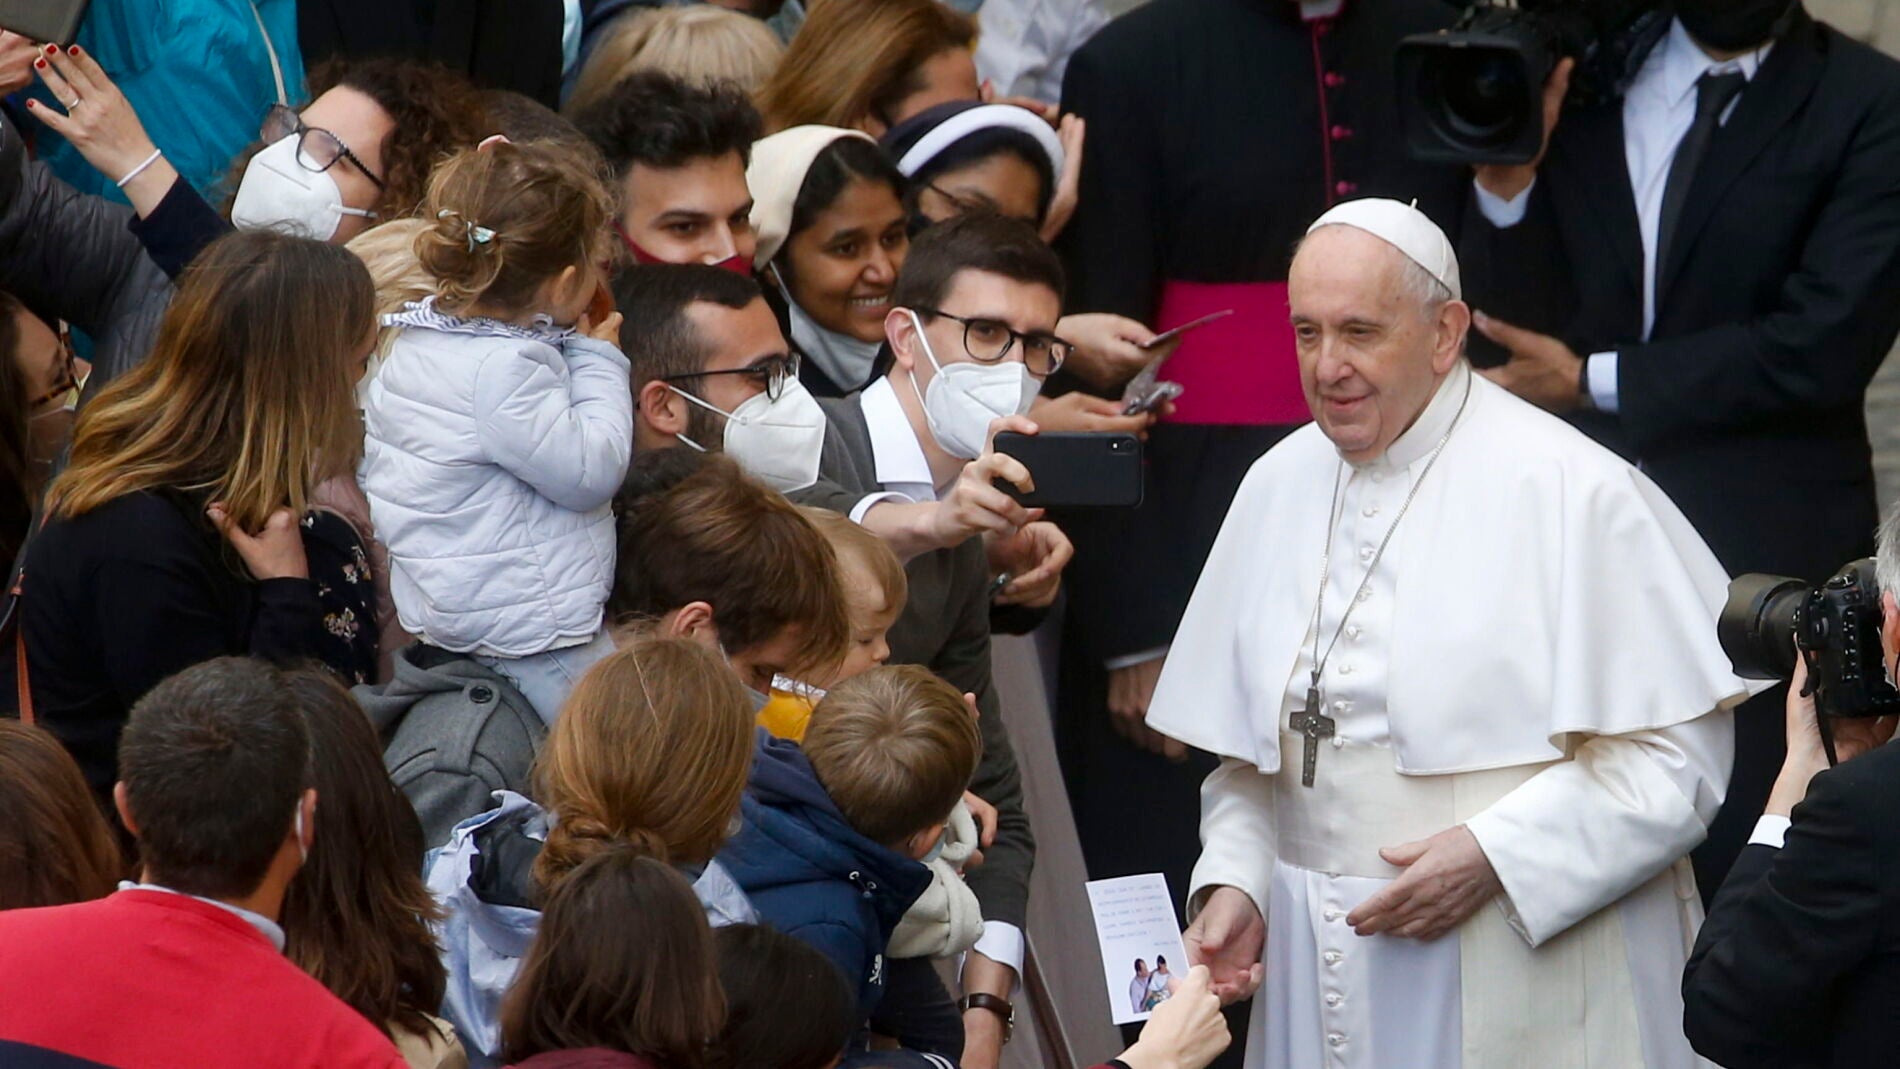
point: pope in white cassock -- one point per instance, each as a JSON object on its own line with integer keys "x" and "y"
{"x": 1460, "y": 664}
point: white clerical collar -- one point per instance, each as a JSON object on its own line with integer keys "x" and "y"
{"x": 1684, "y": 63}
{"x": 266, "y": 927}
{"x": 1422, "y": 436}
{"x": 897, "y": 456}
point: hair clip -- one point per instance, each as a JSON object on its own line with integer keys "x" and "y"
{"x": 476, "y": 234}
{"x": 493, "y": 139}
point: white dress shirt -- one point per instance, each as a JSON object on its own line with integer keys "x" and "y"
{"x": 903, "y": 472}
{"x": 1658, "y": 111}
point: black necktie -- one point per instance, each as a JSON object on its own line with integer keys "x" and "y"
{"x": 1713, "y": 93}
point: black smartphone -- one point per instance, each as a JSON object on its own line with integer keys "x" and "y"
{"x": 50, "y": 22}
{"x": 1073, "y": 469}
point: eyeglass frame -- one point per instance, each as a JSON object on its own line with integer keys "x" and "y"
{"x": 1057, "y": 359}
{"x": 302, "y": 132}
{"x": 69, "y": 385}
{"x": 773, "y": 372}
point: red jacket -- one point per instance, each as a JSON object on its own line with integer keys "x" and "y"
{"x": 154, "y": 980}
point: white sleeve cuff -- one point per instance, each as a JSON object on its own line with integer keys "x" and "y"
{"x": 1501, "y": 213}
{"x": 1130, "y": 660}
{"x": 1770, "y": 830}
{"x": 864, "y": 505}
{"x": 1600, "y": 374}
{"x": 1002, "y": 943}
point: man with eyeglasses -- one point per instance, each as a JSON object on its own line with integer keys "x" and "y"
{"x": 972, "y": 334}
{"x": 712, "y": 372}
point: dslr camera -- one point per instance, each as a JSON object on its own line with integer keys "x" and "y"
{"x": 1474, "y": 93}
{"x": 1770, "y": 620}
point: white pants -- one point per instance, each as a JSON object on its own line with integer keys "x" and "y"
{"x": 546, "y": 678}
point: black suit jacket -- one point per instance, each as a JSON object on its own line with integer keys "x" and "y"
{"x": 1780, "y": 300}
{"x": 945, "y": 627}
{"x": 1798, "y": 964}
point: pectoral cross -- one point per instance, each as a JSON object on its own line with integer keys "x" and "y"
{"x": 1313, "y": 726}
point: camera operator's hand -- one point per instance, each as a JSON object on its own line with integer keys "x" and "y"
{"x": 1507, "y": 181}
{"x": 1807, "y": 758}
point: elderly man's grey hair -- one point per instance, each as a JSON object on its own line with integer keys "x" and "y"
{"x": 1418, "y": 283}
{"x": 1887, "y": 553}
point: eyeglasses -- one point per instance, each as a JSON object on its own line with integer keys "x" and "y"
{"x": 770, "y": 374}
{"x": 988, "y": 341}
{"x": 318, "y": 150}
{"x": 66, "y": 391}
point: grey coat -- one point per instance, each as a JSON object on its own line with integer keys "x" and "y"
{"x": 70, "y": 255}
{"x": 454, "y": 732}
{"x": 946, "y": 628}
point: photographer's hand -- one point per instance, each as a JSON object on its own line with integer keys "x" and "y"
{"x": 1507, "y": 181}
{"x": 1807, "y": 758}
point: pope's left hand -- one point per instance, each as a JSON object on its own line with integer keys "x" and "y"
{"x": 1447, "y": 878}
{"x": 1035, "y": 556}
{"x": 1542, "y": 370}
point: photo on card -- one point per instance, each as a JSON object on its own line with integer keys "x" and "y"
{"x": 1143, "y": 960}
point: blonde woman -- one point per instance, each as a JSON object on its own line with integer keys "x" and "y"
{"x": 651, "y": 752}
{"x": 701, "y": 44}
{"x": 177, "y": 532}
{"x": 871, "y": 64}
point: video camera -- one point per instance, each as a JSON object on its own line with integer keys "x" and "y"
{"x": 1475, "y": 93}
{"x": 1770, "y": 620}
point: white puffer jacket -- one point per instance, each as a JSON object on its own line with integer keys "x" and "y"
{"x": 492, "y": 455}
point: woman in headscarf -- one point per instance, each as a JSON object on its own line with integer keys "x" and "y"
{"x": 828, "y": 209}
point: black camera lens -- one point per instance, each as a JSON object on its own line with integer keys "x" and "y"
{"x": 1757, "y": 626}
{"x": 1484, "y": 94}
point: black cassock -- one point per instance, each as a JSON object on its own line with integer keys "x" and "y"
{"x": 1218, "y": 130}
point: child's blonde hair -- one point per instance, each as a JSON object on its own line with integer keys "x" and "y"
{"x": 504, "y": 219}
{"x": 852, "y": 544}
{"x": 895, "y": 749}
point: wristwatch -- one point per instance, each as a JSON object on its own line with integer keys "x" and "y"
{"x": 983, "y": 1000}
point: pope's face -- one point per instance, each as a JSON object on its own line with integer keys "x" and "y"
{"x": 1370, "y": 357}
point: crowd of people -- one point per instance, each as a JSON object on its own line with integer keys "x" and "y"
{"x": 507, "y": 417}
{"x": 507, "y": 535}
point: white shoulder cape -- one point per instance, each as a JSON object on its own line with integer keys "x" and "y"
{"x": 1543, "y": 587}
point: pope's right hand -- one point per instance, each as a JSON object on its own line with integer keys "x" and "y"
{"x": 1230, "y": 938}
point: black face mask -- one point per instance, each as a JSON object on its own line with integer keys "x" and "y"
{"x": 1732, "y": 25}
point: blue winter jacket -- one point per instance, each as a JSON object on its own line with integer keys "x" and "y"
{"x": 200, "y": 74}
{"x": 812, "y": 876}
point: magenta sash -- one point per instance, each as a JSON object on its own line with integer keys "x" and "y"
{"x": 1239, "y": 370}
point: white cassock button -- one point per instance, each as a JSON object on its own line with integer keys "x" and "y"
{"x": 1338, "y": 743}
{"x": 1345, "y": 669}
{"x": 1335, "y": 1038}
{"x": 1365, "y": 554}
{"x": 1369, "y": 511}
{"x": 1333, "y": 914}
{"x": 1378, "y": 476}
{"x": 1334, "y": 998}
{"x": 1342, "y": 706}
{"x": 1365, "y": 593}
{"x": 1333, "y": 957}
{"x": 1353, "y": 631}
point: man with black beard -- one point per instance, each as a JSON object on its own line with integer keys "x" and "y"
{"x": 1704, "y": 276}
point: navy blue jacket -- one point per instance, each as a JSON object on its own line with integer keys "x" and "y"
{"x": 812, "y": 876}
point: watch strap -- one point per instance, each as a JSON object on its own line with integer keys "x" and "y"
{"x": 996, "y": 1004}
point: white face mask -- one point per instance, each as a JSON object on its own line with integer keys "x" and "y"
{"x": 303, "y": 852}
{"x": 279, "y": 193}
{"x": 777, "y": 442}
{"x": 964, "y": 399}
